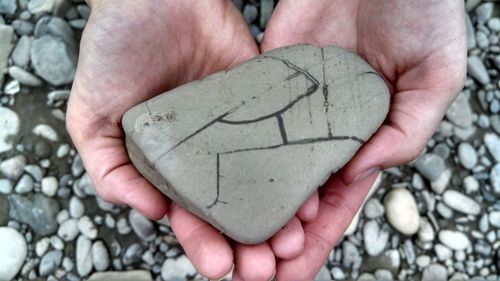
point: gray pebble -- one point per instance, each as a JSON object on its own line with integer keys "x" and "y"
{"x": 53, "y": 60}
{"x": 40, "y": 213}
{"x": 122, "y": 226}
{"x": 24, "y": 77}
{"x": 50, "y": 261}
{"x": 142, "y": 226}
{"x": 21, "y": 54}
{"x": 467, "y": 155}
{"x": 23, "y": 27}
{"x": 250, "y": 13}
{"x": 492, "y": 142}
{"x": 375, "y": 239}
{"x": 84, "y": 262}
{"x": 56, "y": 242}
{"x": 484, "y": 12}
{"x": 430, "y": 166}
{"x": 461, "y": 203}
{"x": 471, "y": 38}
{"x": 373, "y": 208}
{"x": 460, "y": 112}
{"x": 100, "y": 256}
{"x": 454, "y": 240}
{"x": 87, "y": 227}
{"x": 77, "y": 167}
{"x": 84, "y": 11}
{"x": 78, "y": 23}
{"x": 35, "y": 171}
{"x": 471, "y": 184}
{"x": 482, "y": 40}
{"x": 266, "y": 9}
{"x": 132, "y": 254}
{"x": 68, "y": 230}
{"x": 76, "y": 207}
{"x": 476, "y": 69}
{"x": 5, "y": 186}
{"x": 8, "y": 7}
{"x": 435, "y": 272}
{"x": 25, "y": 184}
{"x": 13, "y": 168}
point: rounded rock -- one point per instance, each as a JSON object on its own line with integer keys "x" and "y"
{"x": 100, "y": 256}
{"x": 49, "y": 186}
{"x": 142, "y": 226}
{"x": 461, "y": 203}
{"x": 13, "y": 253}
{"x": 68, "y": 230}
{"x": 454, "y": 239}
{"x": 401, "y": 211}
{"x": 76, "y": 207}
{"x": 178, "y": 269}
{"x": 467, "y": 155}
{"x": 435, "y": 272}
{"x": 9, "y": 128}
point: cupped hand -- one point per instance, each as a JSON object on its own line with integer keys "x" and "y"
{"x": 132, "y": 51}
{"x": 419, "y": 47}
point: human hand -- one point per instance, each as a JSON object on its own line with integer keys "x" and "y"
{"x": 129, "y": 53}
{"x": 419, "y": 47}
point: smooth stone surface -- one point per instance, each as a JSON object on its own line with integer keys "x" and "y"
{"x": 263, "y": 137}
{"x": 435, "y": 272}
{"x": 49, "y": 186}
{"x": 83, "y": 256}
{"x": 492, "y": 142}
{"x": 68, "y": 230}
{"x": 494, "y": 219}
{"x": 455, "y": 240}
{"x": 6, "y": 35}
{"x": 401, "y": 211}
{"x": 430, "y": 166}
{"x": 132, "y": 275}
{"x": 100, "y": 256}
{"x": 53, "y": 60}
{"x": 178, "y": 269}
{"x": 461, "y": 203}
{"x": 40, "y": 213}
{"x": 50, "y": 261}
{"x": 13, "y": 167}
{"x": 8, "y": 7}
{"x": 460, "y": 112}
{"x": 46, "y": 131}
{"x": 375, "y": 238}
{"x": 9, "y": 126}
{"x": 13, "y": 252}
{"x": 467, "y": 155}
{"x": 25, "y": 184}
{"x": 21, "y": 54}
{"x": 476, "y": 69}
{"x": 142, "y": 226}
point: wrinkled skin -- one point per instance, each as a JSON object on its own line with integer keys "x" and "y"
{"x": 131, "y": 52}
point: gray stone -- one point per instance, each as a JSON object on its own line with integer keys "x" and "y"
{"x": 495, "y": 177}
{"x": 494, "y": 219}
{"x": 476, "y": 69}
{"x": 178, "y": 269}
{"x": 6, "y": 35}
{"x": 430, "y": 166}
{"x": 373, "y": 208}
{"x": 46, "y": 132}
{"x": 467, "y": 155}
{"x": 484, "y": 12}
{"x": 266, "y": 9}
{"x": 435, "y": 272}
{"x": 455, "y": 240}
{"x": 25, "y": 184}
{"x": 142, "y": 227}
{"x": 460, "y": 112}
{"x": 83, "y": 256}
{"x": 46, "y": 6}
{"x": 84, "y": 11}
{"x": 426, "y": 231}
{"x": 68, "y": 230}
{"x": 35, "y": 171}
{"x": 323, "y": 274}
{"x": 350, "y": 254}
{"x": 461, "y": 203}
{"x": 439, "y": 185}
{"x": 78, "y": 23}
{"x": 383, "y": 275}
{"x": 50, "y": 261}
{"x": 250, "y": 13}
{"x": 471, "y": 38}
{"x": 401, "y": 211}
{"x": 132, "y": 275}
{"x": 77, "y": 168}
{"x": 76, "y": 207}
{"x": 492, "y": 142}
{"x": 23, "y": 27}
{"x": 13, "y": 253}
{"x": 40, "y": 213}
{"x": 49, "y": 186}
{"x": 375, "y": 238}
{"x": 24, "y": 77}
{"x": 237, "y": 161}
{"x": 13, "y": 167}
{"x": 21, "y": 54}
{"x": 133, "y": 254}
{"x": 53, "y": 60}
{"x": 8, "y": 7}
{"x": 9, "y": 122}
{"x": 100, "y": 256}
{"x": 495, "y": 120}
{"x": 366, "y": 277}
{"x": 5, "y": 186}
{"x": 494, "y": 24}
{"x": 443, "y": 253}
{"x": 87, "y": 227}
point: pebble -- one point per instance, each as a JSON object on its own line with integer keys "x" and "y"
{"x": 46, "y": 131}
{"x": 484, "y": 11}
{"x": 84, "y": 11}
{"x": 13, "y": 168}
{"x": 382, "y": 275}
{"x": 375, "y": 238}
{"x": 455, "y": 240}
{"x": 443, "y": 253}
{"x": 8, "y": 7}
{"x": 40, "y": 213}
{"x": 142, "y": 226}
{"x": 131, "y": 275}
{"x": 439, "y": 185}
{"x": 471, "y": 184}
{"x": 435, "y": 272}
{"x": 53, "y": 60}
{"x": 122, "y": 226}
{"x": 430, "y": 166}
{"x": 426, "y": 231}
{"x": 6, "y": 35}
{"x": 87, "y": 227}
{"x": 50, "y": 261}
{"x": 476, "y": 69}
{"x": 471, "y": 39}
{"x": 24, "y": 77}
{"x": 25, "y": 184}
{"x": 373, "y": 208}
{"x": 461, "y": 203}
{"x": 401, "y": 211}
{"x": 495, "y": 177}
{"x": 76, "y": 207}
{"x": 68, "y": 230}
{"x": 5, "y": 186}
{"x": 423, "y": 261}
{"x": 460, "y": 112}
{"x": 49, "y": 186}
{"x": 467, "y": 155}
{"x": 494, "y": 219}
{"x": 338, "y": 273}
{"x": 492, "y": 142}
{"x": 22, "y": 27}
{"x": 250, "y": 13}
{"x": 9, "y": 127}
{"x": 266, "y": 9}
{"x": 84, "y": 261}
{"x": 13, "y": 253}
{"x": 21, "y": 54}
{"x": 42, "y": 246}
{"x": 100, "y": 256}
{"x": 132, "y": 254}
{"x": 178, "y": 269}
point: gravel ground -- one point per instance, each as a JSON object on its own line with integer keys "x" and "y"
{"x": 437, "y": 218}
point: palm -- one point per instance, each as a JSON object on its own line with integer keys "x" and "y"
{"x": 422, "y": 57}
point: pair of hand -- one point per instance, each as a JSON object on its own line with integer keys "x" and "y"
{"x": 132, "y": 51}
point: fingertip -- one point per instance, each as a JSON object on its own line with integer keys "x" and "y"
{"x": 288, "y": 243}
{"x": 254, "y": 262}
{"x": 309, "y": 211}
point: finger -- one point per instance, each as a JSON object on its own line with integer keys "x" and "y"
{"x": 205, "y": 247}
{"x": 254, "y": 262}
{"x": 336, "y": 209}
{"x": 289, "y": 241}
{"x": 309, "y": 211}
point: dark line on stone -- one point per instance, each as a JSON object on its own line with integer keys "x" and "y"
{"x": 282, "y": 129}
{"x": 218, "y": 186}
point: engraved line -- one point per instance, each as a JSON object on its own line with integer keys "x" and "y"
{"x": 282, "y": 129}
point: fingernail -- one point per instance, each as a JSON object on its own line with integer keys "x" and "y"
{"x": 366, "y": 174}
{"x": 230, "y": 271}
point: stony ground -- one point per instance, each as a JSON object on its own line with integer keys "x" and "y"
{"x": 437, "y": 218}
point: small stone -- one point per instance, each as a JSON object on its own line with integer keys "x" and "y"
{"x": 492, "y": 142}
{"x": 476, "y": 69}
{"x": 6, "y": 35}
{"x": 444, "y": 211}
{"x": 338, "y": 273}
{"x": 50, "y": 261}
{"x": 266, "y": 9}
{"x": 495, "y": 177}
{"x": 455, "y": 240}
{"x": 68, "y": 230}
{"x": 49, "y": 186}
{"x": 494, "y": 219}
{"x": 373, "y": 209}
{"x": 250, "y": 13}
{"x": 44, "y": 6}
{"x": 5, "y": 186}
{"x": 25, "y": 184}
{"x": 435, "y": 272}
{"x": 423, "y": 261}
{"x": 87, "y": 227}
{"x": 401, "y": 211}
{"x": 46, "y": 131}
{"x": 131, "y": 275}
{"x": 375, "y": 238}
{"x": 178, "y": 269}
{"x": 21, "y": 54}
{"x": 63, "y": 150}
{"x": 383, "y": 275}
{"x": 467, "y": 155}
{"x": 426, "y": 231}
{"x": 42, "y": 246}
{"x": 460, "y": 112}
{"x": 142, "y": 227}
{"x": 40, "y": 213}
{"x": 23, "y": 27}
{"x": 13, "y": 168}
{"x": 471, "y": 184}
{"x": 366, "y": 277}
{"x": 42, "y": 149}
{"x": 83, "y": 256}
{"x": 495, "y": 119}
{"x": 443, "y": 253}
{"x": 8, "y": 7}
{"x": 13, "y": 253}
{"x": 461, "y": 203}
{"x": 9, "y": 123}
{"x": 471, "y": 39}
{"x": 84, "y": 11}
{"x": 484, "y": 12}
{"x": 133, "y": 254}
{"x": 77, "y": 168}
{"x": 53, "y": 60}
{"x": 100, "y": 256}
{"x": 76, "y": 207}
{"x": 323, "y": 274}
{"x": 442, "y": 182}
{"x": 430, "y": 166}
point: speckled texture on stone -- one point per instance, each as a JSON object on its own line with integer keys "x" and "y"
{"x": 243, "y": 149}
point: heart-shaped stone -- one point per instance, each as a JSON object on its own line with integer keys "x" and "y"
{"x": 245, "y": 148}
